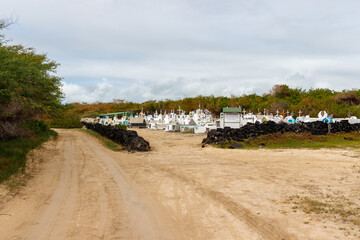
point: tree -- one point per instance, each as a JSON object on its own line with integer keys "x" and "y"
{"x": 280, "y": 91}
{"x": 4, "y": 23}
{"x": 28, "y": 86}
{"x": 349, "y": 97}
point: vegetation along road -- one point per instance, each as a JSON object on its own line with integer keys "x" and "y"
{"x": 182, "y": 191}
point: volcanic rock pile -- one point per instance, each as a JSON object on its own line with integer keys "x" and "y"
{"x": 254, "y": 130}
{"x": 127, "y": 138}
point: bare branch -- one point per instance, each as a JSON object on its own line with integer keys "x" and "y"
{"x": 4, "y": 23}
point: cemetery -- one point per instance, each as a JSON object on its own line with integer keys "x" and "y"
{"x": 198, "y": 121}
{"x": 233, "y": 125}
{"x": 203, "y": 121}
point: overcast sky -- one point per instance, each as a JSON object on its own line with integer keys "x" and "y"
{"x": 158, "y": 49}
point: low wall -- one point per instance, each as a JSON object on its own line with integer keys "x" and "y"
{"x": 258, "y": 129}
{"x": 129, "y": 139}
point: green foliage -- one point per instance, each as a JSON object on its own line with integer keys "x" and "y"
{"x": 27, "y": 77}
{"x": 121, "y": 126}
{"x": 65, "y": 119}
{"x": 36, "y": 126}
{"x": 13, "y": 152}
{"x": 28, "y": 86}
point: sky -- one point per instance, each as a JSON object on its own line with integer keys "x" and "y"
{"x": 161, "y": 49}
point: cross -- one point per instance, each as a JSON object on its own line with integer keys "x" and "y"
{"x": 244, "y": 111}
{"x": 300, "y": 112}
{"x": 287, "y": 113}
{"x": 277, "y": 112}
{"x": 179, "y": 110}
{"x": 283, "y": 113}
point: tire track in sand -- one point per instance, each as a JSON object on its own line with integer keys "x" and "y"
{"x": 147, "y": 218}
{"x": 99, "y": 212}
{"x": 267, "y": 230}
{"x": 62, "y": 203}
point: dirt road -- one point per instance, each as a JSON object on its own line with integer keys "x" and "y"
{"x": 181, "y": 191}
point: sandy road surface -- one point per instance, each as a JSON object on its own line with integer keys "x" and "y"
{"x": 180, "y": 191}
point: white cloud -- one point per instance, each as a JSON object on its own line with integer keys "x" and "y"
{"x": 102, "y": 91}
{"x": 158, "y": 49}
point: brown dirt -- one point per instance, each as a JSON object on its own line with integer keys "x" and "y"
{"x": 181, "y": 191}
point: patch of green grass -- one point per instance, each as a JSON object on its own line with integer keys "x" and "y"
{"x": 13, "y": 153}
{"x": 303, "y": 140}
{"x": 105, "y": 141}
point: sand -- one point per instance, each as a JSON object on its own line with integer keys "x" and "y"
{"x": 182, "y": 191}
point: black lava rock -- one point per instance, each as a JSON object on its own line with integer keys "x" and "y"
{"x": 236, "y": 145}
{"x": 128, "y": 138}
{"x": 254, "y": 130}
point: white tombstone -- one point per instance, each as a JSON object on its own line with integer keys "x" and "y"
{"x": 322, "y": 115}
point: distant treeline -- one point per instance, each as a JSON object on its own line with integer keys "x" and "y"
{"x": 280, "y": 97}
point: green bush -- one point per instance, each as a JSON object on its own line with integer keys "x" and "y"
{"x": 36, "y": 126}
{"x": 121, "y": 126}
{"x": 66, "y": 119}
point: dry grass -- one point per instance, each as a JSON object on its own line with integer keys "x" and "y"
{"x": 333, "y": 209}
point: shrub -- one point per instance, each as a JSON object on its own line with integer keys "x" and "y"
{"x": 121, "y": 126}
{"x": 36, "y": 126}
{"x": 66, "y": 119}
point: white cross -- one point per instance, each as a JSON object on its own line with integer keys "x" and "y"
{"x": 300, "y": 112}
{"x": 277, "y": 112}
{"x": 287, "y": 113}
{"x": 244, "y": 111}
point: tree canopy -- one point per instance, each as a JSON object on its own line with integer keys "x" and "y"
{"x": 28, "y": 86}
